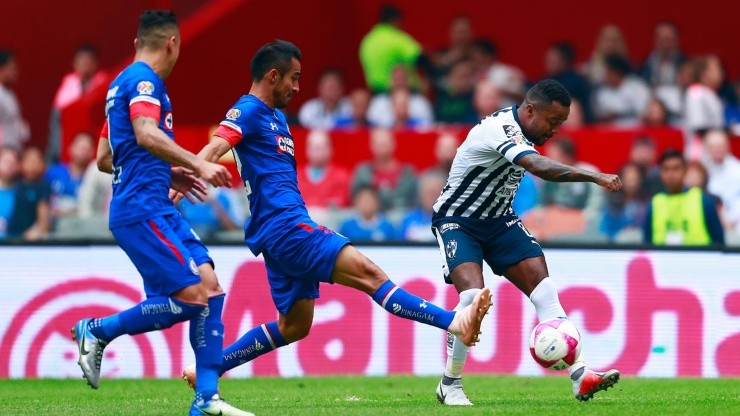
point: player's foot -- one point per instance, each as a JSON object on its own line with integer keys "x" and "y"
{"x": 216, "y": 406}
{"x": 452, "y": 395}
{"x": 91, "y": 352}
{"x": 591, "y": 382}
{"x": 188, "y": 374}
{"x": 466, "y": 324}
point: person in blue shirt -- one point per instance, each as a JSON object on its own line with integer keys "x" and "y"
{"x": 368, "y": 224}
{"x": 65, "y": 178}
{"x": 178, "y": 275}
{"x": 9, "y": 167}
{"x": 417, "y": 222}
{"x": 298, "y": 252}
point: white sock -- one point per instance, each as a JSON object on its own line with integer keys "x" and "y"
{"x": 574, "y": 369}
{"x": 457, "y": 352}
{"x": 546, "y": 302}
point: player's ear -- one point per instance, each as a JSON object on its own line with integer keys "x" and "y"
{"x": 136, "y": 43}
{"x": 273, "y": 75}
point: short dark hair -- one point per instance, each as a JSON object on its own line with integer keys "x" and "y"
{"x": 87, "y": 48}
{"x": 547, "y": 91}
{"x": 277, "y": 54}
{"x": 155, "y": 26}
{"x": 646, "y": 141}
{"x": 671, "y": 154}
{"x": 617, "y": 63}
{"x": 5, "y": 56}
{"x": 389, "y": 13}
{"x": 566, "y": 50}
{"x": 486, "y": 45}
{"x": 332, "y": 72}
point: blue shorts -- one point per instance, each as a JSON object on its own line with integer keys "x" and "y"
{"x": 501, "y": 242}
{"x": 298, "y": 260}
{"x": 165, "y": 251}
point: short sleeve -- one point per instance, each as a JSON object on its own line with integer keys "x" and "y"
{"x": 508, "y": 140}
{"x": 104, "y": 130}
{"x": 230, "y": 129}
{"x": 146, "y": 97}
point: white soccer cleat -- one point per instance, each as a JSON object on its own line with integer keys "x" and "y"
{"x": 452, "y": 395}
{"x": 467, "y": 321}
{"x": 91, "y": 352}
{"x": 216, "y": 406}
{"x": 591, "y": 382}
{"x": 188, "y": 374}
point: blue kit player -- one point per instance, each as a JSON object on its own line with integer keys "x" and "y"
{"x": 298, "y": 253}
{"x": 179, "y": 279}
{"x": 473, "y": 221}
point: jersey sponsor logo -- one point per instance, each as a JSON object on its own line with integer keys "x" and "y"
{"x": 168, "y": 120}
{"x": 145, "y": 87}
{"x": 516, "y": 135}
{"x": 285, "y": 145}
{"x": 193, "y": 267}
{"x": 511, "y": 185}
{"x": 448, "y": 226}
{"x": 233, "y": 114}
{"x": 451, "y": 249}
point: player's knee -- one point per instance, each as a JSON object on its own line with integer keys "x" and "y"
{"x": 296, "y": 332}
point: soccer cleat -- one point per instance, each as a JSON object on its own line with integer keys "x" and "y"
{"x": 466, "y": 323}
{"x": 91, "y": 352}
{"x": 452, "y": 395}
{"x": 188, "y": 374}
{"x": 591, "y": 382}
{"x": 215, "y": 406}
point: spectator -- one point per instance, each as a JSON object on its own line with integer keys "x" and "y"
{"x": 703, "y": 109}
{"x": 394, "y": 181}
{"x": 576, "y": 117}
{"x": 385, "y": 47}
{"x": 445, "y": 149}
{"x": 486, "y": 99}
{"x": 625, "y": 209}
{"x": 85, "y": 77}
{"x": 560, "y": 66}
{"x": 401, "y": 108}
{"x": 65, "y": 179}
{"x": 359, "y": 101}
{"x": 509, "y": 80}
{"x": 13, "y": 128}
{"x": 331, "y": 105}
{"x": 678, "y": 216}
{"x": 483, "y": 55}
{"x": 622, "y": 98}
{"x": 609, "y": 42}
{"x": 656, "y": 114}
{"x": 30, "y": 219}
{"x": 460, "y": 49}
{"x": 642, "y": 154}
{"x": 9, "y": 161}
{"x": 417, "y": 223}
{"x": 94, "y": 195}
{"x": 724, "y": 174}
{"x": 453, "y": 102}
{"x": 211, "y": 216}
{"x": 663, "y": 63}
{"x": 322, "y": 183}
{"x": 368, "y": 224}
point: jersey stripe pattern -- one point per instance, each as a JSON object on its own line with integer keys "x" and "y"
{"x": 485, "y": 176}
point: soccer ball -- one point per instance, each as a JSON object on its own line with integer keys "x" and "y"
{"x": 555, "y": 344}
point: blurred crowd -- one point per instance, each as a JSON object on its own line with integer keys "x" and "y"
{"x": 410, "y": 86}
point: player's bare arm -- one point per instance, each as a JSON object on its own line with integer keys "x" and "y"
{"x": 154, "y": 140}
{"x": 551, "y": 170}
{"x": 217, "y": 147}
{"x": 104, "y": 156}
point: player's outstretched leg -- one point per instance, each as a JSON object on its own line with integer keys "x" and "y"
{"x": 93, "y": 335}
{"x": 450, "y": 388}
{"x": 586, "y": 382}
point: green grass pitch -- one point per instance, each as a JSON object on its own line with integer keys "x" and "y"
{"x": 397, "y": 396}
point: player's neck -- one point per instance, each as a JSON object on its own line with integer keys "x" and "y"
{"x": 155, "y": 60}
{"x": 263, "y": 94}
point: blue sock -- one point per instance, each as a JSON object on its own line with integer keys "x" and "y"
{"x": 207, "y": 340}
{"x": 153, "y": 314}
{"x": 405, "y": 305}
{"x": 259, "y": 340}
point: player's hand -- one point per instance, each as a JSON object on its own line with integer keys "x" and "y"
{"x": 610, "y": 182}
{"x": 184, "y": 184}
{"x": 214, "y": 173}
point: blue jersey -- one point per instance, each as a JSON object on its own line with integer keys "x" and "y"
{"x": 141, "y": 181}
{"x": 264, "y": 152}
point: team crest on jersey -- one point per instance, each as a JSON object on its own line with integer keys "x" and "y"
{"x": 285, "y": 145}
{"x": 193, "y": 267}
{"x": 516, "y": 135}
{"x": 145, "y": 87}
{"x": 168, "y": 120}
{"x": 451, "y": 249}
{"x": 233, "y": 114}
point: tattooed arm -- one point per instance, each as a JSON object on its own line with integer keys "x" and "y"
{"x": 551, "y": 170}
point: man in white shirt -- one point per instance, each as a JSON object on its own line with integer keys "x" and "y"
{"x": 724, "y": 174}
{"x": 623, "y": 98}
{"x": 13, "y": 129}
{"x": 331, "y": 105}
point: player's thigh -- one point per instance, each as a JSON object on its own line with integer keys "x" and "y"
{"x": 164, "y": 262}
{"x": 198, "y": 251}
{"x": 527, "y": 273}
{"x": 286, "y": 290}
{"x": 353, "y": 269}
{"x": 461, "y": 253}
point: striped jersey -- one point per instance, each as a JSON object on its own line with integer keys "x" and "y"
{"x": 484, "y": 176}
